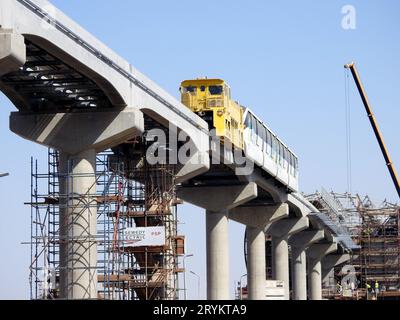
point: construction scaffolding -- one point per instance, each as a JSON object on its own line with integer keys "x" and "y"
{"x": 132, "y": 197}
{"x": 380, "y": 247}
{"x": 376, "y": 230}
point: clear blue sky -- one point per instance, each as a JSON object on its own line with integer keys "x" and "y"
{"x": 283, "y": 59}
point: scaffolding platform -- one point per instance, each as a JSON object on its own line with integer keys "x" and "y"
{"x": 127, "y": 197}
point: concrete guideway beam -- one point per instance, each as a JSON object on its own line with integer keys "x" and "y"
{"x": 280, "y": 232}
{"x": 49, "y": 28}
{"x": 298, "y": 202}
{"x": 12, "y": 51}
{"x": 315, "y": 253}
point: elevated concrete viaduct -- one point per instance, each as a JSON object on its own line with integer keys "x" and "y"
{"x": 76, "y": 95}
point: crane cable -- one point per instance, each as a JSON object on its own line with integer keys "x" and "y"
{"x": 348, "y": 131}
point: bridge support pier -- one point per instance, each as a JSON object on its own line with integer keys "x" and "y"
{"x": 217, "y": 255}
{"x": 280, "y": 262}
{"x": 218, "y": 200}
{"x": 299, "y": 243}
{"x": 280, "y": 232}
{"x": 256, "y": 219}
{"x": 78, "y": 226}
{"x": 78, "y": 137}
{"x": 315, "y": 254}
{"x": 256, "y": 274}
{"x": 299, "y": 274}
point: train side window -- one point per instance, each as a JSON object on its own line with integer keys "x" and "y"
{"x": 260, "y": 134}
{"x": 274, "y": 148}
{"x": 264, "y": 138}
{"x": 248, "y": 122}
{"x": 286, "y": 158}
{"x": 279, "y": 152}
{"x": 254, "y": 130}
{"x": 280, "y": 156}
{"x": 290, "y": 163}
{"x": 269, "y": 143}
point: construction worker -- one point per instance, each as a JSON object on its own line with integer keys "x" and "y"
{"x": 376, "y": 288}
{"x": 368, "y": 287}
{"x": 339, "y": 288}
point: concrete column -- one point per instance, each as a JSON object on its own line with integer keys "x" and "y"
{"x": 78, "y": 226}
{"x": 217, "y": 255}
{"x": 315, "y": 253}
{"x": 299, "y": 274}
{"x": 280, "y": 262}
{"x": 218, "y": 200}
{"x": 315, "y": 279}
{"x": 78, "y": 136}
{"x": 281, "y": 231}
{"x": 256, "y": 274}
{"x": 299, "y": 243}
{"x": 256, "y": 219}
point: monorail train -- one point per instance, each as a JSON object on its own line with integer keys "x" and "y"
{"x": 211, "y": 100}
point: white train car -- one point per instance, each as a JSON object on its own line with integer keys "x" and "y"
{"x": 268, "y": 152}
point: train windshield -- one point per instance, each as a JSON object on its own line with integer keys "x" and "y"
{"x": 190, "y": 89}
{"x": 216, "y": 90}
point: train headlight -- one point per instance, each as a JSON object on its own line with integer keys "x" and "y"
{"x": 220, "y": 113}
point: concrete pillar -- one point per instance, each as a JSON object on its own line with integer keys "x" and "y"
{"x": 217, "y": 255}
{"x": 280, "y": 232}
{"x": 280, "y": 262}
{"x": 315, "y": 253}
{"x": 218, "y": 200}
{"x": 78, "y": 136}
{"x": 315, "y": 279}
{"x": 299, "y": 243}
{"x": 299, "y": 274}
{"x": 256, "y": 219}
{"x": 78, "y": 225}
{"x": 256, "y": 273}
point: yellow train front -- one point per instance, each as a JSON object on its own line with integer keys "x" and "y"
{"x": 211, "y": 100}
